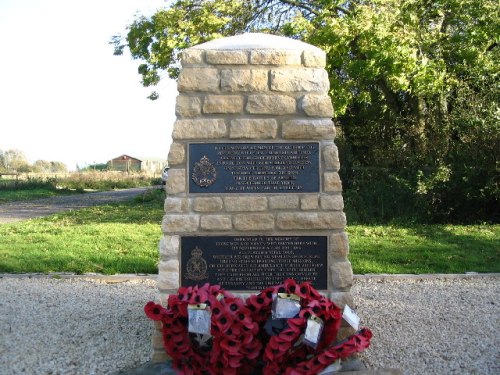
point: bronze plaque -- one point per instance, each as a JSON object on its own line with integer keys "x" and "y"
{"x": 253, "y": 262}
{"x": 254, "y": 167}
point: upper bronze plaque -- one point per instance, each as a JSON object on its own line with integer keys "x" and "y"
{"x": 254, "y": 167}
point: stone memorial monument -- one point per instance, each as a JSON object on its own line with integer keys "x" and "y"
{"x": 254, "y": 195}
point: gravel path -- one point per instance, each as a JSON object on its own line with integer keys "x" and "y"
{"x": 86, "y": 326}
{"x": 23, "y": 210}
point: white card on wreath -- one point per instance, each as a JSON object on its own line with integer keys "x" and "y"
{"x": 350, "y": 317}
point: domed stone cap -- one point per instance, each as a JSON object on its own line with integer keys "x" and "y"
{"x": 254, "y": 49}
{"x": 256, "y": 41}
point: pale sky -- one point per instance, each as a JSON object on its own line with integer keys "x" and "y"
{"x": 64, "y": 96}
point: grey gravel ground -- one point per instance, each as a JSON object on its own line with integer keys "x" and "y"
{"x": 87, "y": 326}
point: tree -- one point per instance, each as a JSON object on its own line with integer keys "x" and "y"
{"x": 14, "y": 161}
{"x": 41, "y": 166}
{"x": 44, "y": 166}
{"x": 414, "y": 83}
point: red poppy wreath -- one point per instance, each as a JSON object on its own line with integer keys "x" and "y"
{"x": 231, "y": 348}
{"x": 243, "y": 337}
{"x": 286, "y": 351}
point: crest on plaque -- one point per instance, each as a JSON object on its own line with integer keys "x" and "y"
{"x": 196, "y": 266}
{"x": 204, "y": 173}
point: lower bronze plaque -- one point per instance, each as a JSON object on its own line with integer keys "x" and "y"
{"x": 253, "y": 262}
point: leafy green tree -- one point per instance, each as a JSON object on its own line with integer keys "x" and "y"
{"x": 414, "y": 84}
{"x": 41, "y": 166}
{"x": 14, "y": 161}
{"x": 44, "y": 166}
{"x": 58, "y": 167}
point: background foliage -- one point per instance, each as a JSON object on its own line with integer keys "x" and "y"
{"x": 414, "y": 84}
{"x": 14, "y": 161}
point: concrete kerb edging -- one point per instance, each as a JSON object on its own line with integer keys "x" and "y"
{"x": 121, "y": 278}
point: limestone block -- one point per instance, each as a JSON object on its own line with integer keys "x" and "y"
{"x": 275, "y": 57}
{"x": 163, "y": 300}
{"x": 192, "y": 56}
{"x": 157, "y": 340}
{"x": 283, "y": 202}
{"x": 314, "y": 59}
{"x": 218, "y": 57}
{"x": 339, "y": 245}
{"x": 169, "y": 247}
{"x": 341, "y": 299}
{"x": 180, "y": 223}
{"x": 253, "y": 129}
{"x": 308, "y": 129}
{"x": 176, "y": 154}
{"x": 245, "y": 203}
{"x": 159, "y": 356}
{"x": 176, "y": 181}
{"x": 343, "y": 333}
{"x": 251, "y": 222}
{"x": 332, "y": 202}
{"x": 198, "y": 79}
{"x": 310, "y": 220}
{"x": 340, "y": 275}
{"x": 176, "y": 205}
{"x": 309, "y": 202}
{"x": 187, "y": 106}
{"x": 168, "y": 274}
{"x": 331, "y": 158}
{"x": 271, "y": 104}
{"x": 207, "y": 204}
{"x": 216, "y": 222}
{"x": 317, "y": 105}
{"x": 291, "y": 80}
{"x": 244, "y": 80}
{"x": 199, "y": 128}
{"x": 223, "y": 104}
{"x": 331, "y": 182}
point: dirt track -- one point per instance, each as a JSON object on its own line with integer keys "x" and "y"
{"x": 24, "y": 210}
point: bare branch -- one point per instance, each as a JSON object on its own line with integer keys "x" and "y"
{"x": 301, "y": 5}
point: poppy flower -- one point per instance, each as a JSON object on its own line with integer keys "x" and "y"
{"x": 246, "y": 338}
{"x": 230, "y": 345}
{"x": 233, "y": 305}
{"x": 272, "y": 369}
{"x": 303, "y": 290}
{"x": 214, "y": 290}
{"x": 260, "y": 308}
{"x": 258, "y": 301}
{"x": 224, "y": 322}
{"x": 182, "y": 293}
{"x": 289, "y": 335}
{"x": 276, "y": 344}
{"x": 326, "y": 358}
{"x": 296, "y": 324}
{"x": 290, "y": 286}
{"x": 154, "y": 311}
{"x": 252, "y": 349}
{"x": 244, "y": 318}
{"x": 217, "y": 309}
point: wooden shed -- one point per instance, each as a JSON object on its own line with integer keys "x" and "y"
{"x": 125, "y": 163}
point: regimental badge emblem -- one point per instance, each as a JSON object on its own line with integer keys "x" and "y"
{"x": 196, "y": 267}
{"x": 204, "y": 173}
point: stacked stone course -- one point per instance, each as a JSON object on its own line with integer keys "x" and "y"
{"x": 254, "y": 94}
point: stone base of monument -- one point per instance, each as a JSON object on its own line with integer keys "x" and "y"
{"x": 349, "y": 367}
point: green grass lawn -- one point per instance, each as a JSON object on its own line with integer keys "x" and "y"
{"x": 22, "y": 195}
{"x": 120, "y": 238}
{"x": 123, "y": 238}
{"x": 424, "y": 248}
